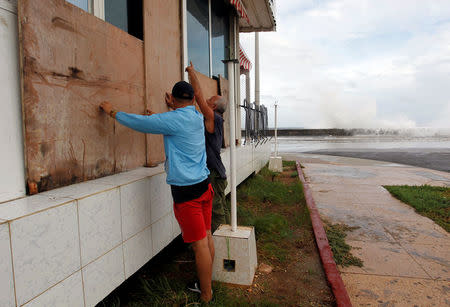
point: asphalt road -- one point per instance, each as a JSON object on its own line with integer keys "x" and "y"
{"x": 438, "y": 159}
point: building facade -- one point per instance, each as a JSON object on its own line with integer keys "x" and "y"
{"x": 83, "y": 200}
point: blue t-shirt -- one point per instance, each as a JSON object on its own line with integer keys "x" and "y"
{"x": 184, "y": 142}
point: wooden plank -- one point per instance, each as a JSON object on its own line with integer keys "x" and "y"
{"x": 162, "y": 33}
{"x": 71, "y": 61}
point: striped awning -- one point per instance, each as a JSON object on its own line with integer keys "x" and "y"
{"x": 240, "y": 8}
{"x": 244, "y": 61}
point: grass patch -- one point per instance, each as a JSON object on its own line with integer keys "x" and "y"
{"x": 289, "y": 164}
{"x": 336, "y": 234}
{"x": 432, "y": 202}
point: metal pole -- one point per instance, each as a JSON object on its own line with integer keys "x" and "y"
{"x": 232, "y": 113}
{"x": 276, "y": 130}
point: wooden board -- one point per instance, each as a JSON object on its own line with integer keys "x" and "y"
{"x": 162, "y": 37}
{"x": 70, "y": 62}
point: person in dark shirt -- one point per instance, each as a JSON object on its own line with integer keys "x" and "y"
{"x": 213, "y": 109}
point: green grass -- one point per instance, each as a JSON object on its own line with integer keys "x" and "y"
{"x": 432, "y": 202}
{"x": 291, "y": 164}
{"x": 336, "y": 234}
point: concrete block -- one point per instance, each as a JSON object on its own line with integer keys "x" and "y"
{"x": 276, "y": 164}
{"x": 235, "y": 260}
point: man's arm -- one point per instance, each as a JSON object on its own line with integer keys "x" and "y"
{"x": 208, "y": 113}
{"x": 153, "y": 123}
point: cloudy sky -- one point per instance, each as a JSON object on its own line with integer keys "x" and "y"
{"x": 357, "y": 63}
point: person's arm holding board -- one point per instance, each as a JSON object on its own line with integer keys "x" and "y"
{"x": 207, "y": 111}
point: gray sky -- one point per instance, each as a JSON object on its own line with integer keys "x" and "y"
{"x": 357, "y": 63}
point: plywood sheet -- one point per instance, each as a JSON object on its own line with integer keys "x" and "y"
{"x": 224, "y": 91}
{"x": 70, "y": 62}
{"x": 162, "y": 37}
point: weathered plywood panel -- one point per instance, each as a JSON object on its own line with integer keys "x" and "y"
{"x": 162, "y": 37}
{"x": 224, "y": 91}
{"x": 210, "y": 87}
{"x": 71, "y": 61}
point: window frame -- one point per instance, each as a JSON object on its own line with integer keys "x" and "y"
{"x": 185, "y": 37}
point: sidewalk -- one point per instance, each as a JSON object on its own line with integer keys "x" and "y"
{"x": 406, "y": 256}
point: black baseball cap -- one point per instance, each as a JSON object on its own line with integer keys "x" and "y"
{"x": 183, "y": 90}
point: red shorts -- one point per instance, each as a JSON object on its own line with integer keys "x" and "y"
{"x": 194, "y": 216}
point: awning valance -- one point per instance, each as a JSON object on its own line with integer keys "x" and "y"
{"x": 240, "y": 8}
{"x": 244, "y": 61}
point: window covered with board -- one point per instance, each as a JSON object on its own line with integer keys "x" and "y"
{"x": 208, "y": 35}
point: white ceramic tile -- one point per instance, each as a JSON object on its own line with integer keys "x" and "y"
{"x": 135, "y": 204}
{"x": 46, "y": 250}
{"x": 160, "y": 197}
{"x": 102, "y": 276}
{"x": 78, "y": 190}
{"x": 175, "y": 226}
{"x": 68, "y": 293}
{"x": 130, "y": 176}
{"x": 99, "y": 217}
{"x": 161, "y": 233}
{"x": 28, "y": 205}
{"x": 137, "y": 251}
{"x": 6, "y": 276}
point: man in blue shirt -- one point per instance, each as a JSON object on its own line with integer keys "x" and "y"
{"x": 187, "y": 173}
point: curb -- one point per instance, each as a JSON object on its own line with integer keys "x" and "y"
{"x": 326, "y": 255}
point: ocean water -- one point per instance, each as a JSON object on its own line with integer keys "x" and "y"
{"x": 362, "y": 142}
{"x": 427, "y": 149}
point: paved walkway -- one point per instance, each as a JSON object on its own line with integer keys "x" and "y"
{"x": 406, "y": 256}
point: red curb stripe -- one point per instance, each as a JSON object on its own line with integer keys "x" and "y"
{"x": 326, "y": 255}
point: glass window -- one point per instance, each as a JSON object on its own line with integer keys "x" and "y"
{"x": 82, "y": 4}
{"x": 198, "y": 34}
{"x": 116, "y": 13}
{"x": 220, "y": 38}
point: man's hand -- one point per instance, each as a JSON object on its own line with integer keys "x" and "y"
{"x": 190, "y": 68}
{"x": 149, "y": 112}
{"x": 106, "y": 107}
{"x": 169, "y": 100}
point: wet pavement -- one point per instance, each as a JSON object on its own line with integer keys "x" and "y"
{"x": 406, "y": 256}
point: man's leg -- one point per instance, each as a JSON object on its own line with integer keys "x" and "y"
{"x": 211, "y": 246}
{"x": 218, "y": 213}
{"x": 203, "y": 262}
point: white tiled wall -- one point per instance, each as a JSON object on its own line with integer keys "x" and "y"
{"x": 46, "y": 250}
{"x": 137, "y": 251}
{"x": 67, "y": 293}
{"x": 72, "y": 246}
{"x": 136, "y": 209}
{"x": 103, "y": 275}
{"x": 100, "y": 230}
{"x": 6, "y": 274}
